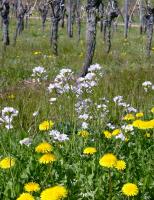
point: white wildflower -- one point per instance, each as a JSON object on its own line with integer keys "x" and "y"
{"x": 39, "y": 73}
{"x": 8, "y": 113}
{"x": 53, "y": 99}
{"x": 120, "y": 136}
{"x": 57, "y": 136}
{"x": 127, "y": 128}
{"x": 131, "y": 109}
{"x": 146, "y": 84}
{"x": 118, "y": 99}
{"x": 84, "y": 125}
{"x": 26, "y": 141}
{"x": 111, "y": 126}
{"x": 95, "y": 67}
{"x": 9, "y": 126}
{"x": 84, "y": 116}
{"x": 35, "y": 113}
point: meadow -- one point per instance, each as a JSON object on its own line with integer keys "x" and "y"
{"x": 64, "y": 137}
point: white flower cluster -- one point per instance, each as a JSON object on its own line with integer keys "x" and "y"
{"x": 102, "y": 107}
{"x": 118, "y": 100}
{"x": 82, "y": 108}
{"x": 57, "y": 136}
{"x": 128, "y": 128}
{"x": 65, "y": 82}
{"x": 111, "y": 126}
{"x": 8, "y": 113}
{"x": 85, "y": 84}
{"x": 39, "y": 74}
{"x": 147, "y": 85}
{"x": 121, "y": 136}
{"x": 62, "y": 82}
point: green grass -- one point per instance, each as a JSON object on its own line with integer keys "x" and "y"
{"x": 126, "y": 68}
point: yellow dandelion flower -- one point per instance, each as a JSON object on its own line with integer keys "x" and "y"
{"x": 31, "y": 187}
{"x": 44, "y": 147}
{"x": 140, "y": 114}
{"x": 147, "y": 135}
{"x": 83, "y": 133}
{"x": 116, "y": 132}
{"x": 120, "y": 165}
{"x": 126, "y": 139}
{"x": 54, "y": 193}
{"x": 11, "y": 96}
{"x": 108, "y": 160}
{"x": 107, "y": 134}
{"x": 47, "y": 158}
{"x": 140, "y": 124}
{"x": 90, "y": 150}
{"x": 130, "y": 189}
{"x": 152, "y": 110}
{"x": 25, "y": 196}
{"x": 7, "y": 163}
{"x": 37, "y": 52}
{"x": 129, "y": 117}
{"x": 46, "y": 125}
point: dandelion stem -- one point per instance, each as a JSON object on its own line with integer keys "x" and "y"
{"x": 47, "y": 176}
{"x": 110, "y": 185}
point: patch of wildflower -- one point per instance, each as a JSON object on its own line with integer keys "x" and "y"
{"x": 47, "y": 158}
{"x": 121, "y": 136}
{"x": 89, "y": 150}
{"x": 148, "y": 86}
{"x": 108, "y": 160}
{"x": 114, "y": 133}
{"x": 8, "y": 114}
{"x": 140, "y": 124}
{"x": 130, "y": 189}
{"x": 83, "y": 133}
{"x": 35, "y": 113}
{"x": 37, "y": 52}
{"x": 7, "y": 163}
{"x": 31, "y": 187}
{"x": 120, "y": 165}
{"x": 139, "y": 115}
{"x": 107, "y": 134}
{"x": 25, "y": 196}
{"x": 62, "y": 83}
{"x": 54, "y": 193}
{"x": 39, "y": 74}
{"x": 46, "y": 125}
{"x": 57, "y": 136}
{"x": 128, "y": 117}
{"x": 44, "y": 147}
{"x": 118, "y": 100}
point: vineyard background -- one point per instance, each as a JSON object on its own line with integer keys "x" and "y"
{"x": 122, "y": 89}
